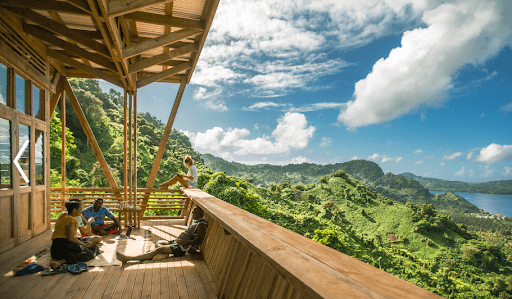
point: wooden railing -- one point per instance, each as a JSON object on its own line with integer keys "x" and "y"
{"x": 159, "y": 200}
{"x": 250, "y": 257}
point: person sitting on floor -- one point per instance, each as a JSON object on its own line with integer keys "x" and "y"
{"x": 84, "y": 226}
{"x": 187, "y": 242}
{"x": 66, "y": 248}
{"x": 98, "y": 212}
{"x": 189, "y": 180}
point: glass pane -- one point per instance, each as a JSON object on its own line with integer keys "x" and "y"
{"x": 3, "y": 84}
{"x": 36, "y": 95}
{"x": 39, "y": 161}
{"x": 20, "y": 93}
{"x": 5, "y": 154}
{"x": 24, "y": 160}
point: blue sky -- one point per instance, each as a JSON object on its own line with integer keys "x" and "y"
{"x": 416, "y": 86}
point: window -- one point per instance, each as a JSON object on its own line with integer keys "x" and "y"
{"x": 3, "y": 84}
{"x": 36, "y": 102}
{"x": 24, "y": 160}
{"x": 39, "y": 158}
{"x": 5, "y": 154}
{"x": 20, "y": 93}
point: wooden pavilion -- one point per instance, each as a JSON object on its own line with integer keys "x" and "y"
{"x": 133, "y": 43}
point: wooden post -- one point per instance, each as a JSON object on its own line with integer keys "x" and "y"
{"x": 125, "y": 165}
{"x": 163, "y": 142}
{"x": 90, "y": 137}
{"x": 63, "y": 150}
{"x": 135, "y": 145}
{"x": 130, "y": 157}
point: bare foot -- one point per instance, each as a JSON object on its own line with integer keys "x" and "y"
{"x": 54, "y": 264}
{"x": 121, "y": 257}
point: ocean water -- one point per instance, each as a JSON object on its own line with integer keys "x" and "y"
{"x": 492, "y": 203}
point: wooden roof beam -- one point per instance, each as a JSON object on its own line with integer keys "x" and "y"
{"x": 52, "y": 39}
{"x": 85, "y": 68}
{"x": 61, "y": 29}
{"x": 118, "y": 8}
{"x": 115, "y": 41}
{"x": 57, "y": 6}
{"x": 166, "y": 20}
{"x": 81, "y": 4}
{"x": 160, "y": 41}
{"x": 111, "y": 41}
{"x": 158, "y": 59}
{"x": 167, "y": 73}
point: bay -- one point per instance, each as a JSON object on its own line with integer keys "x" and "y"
{"x": 491, "y": 203}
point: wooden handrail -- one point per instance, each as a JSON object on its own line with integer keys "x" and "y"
{"x": 248, "y": 254}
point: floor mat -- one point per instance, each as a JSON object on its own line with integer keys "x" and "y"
{"x": 135, "y": 245}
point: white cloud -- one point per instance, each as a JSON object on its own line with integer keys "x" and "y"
{"x": 383, "y": 158}
{"x": 506, "y": 108}
{"x": 495, "y": 153}
{"x": 508, "y": 171}
{"x": 299, "y": 160}
{"x": 418, "y": 151}
{"x": 355, "y": 158}
{"x": 442, "y": 164}
{"x": 423, "y": 117}
{"x": 419, "y": 162}
{"x": 482, "y": 115}
{"x": 461, "y": 172}
{"x": 430, "y": 157}
{"x": 386, "y": 159}
{"x": 263, "y": 105}
{"x": 217, "y": 139}
{"x": 487, "y": 171}
{"x": 420, "y": 72}
{"x": 288, "y": 50}
{"x": 319, "y": 106}
{"x": 325, "y": 141}
{"x": 374, "y": 157}
{"x": 292, "y": 132}
{"x": 470, "y": 155}
{"x": 471, "y": 172}
{"x": 452, "y": 156}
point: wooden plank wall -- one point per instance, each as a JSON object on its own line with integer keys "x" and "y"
{"x": 240, "y": 273}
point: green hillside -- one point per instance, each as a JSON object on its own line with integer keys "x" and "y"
{"x": 396, "y": 187}
{"x": 432, "y": 251}
{"x": 493, "y": 187}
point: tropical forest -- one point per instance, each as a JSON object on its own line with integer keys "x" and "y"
{"x": 389, "y": 221}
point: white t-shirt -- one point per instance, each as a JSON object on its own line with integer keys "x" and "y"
{"x": 79, "y": 221}
{"x": 192, "y": 171}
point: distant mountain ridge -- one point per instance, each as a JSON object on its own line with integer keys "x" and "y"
{"x": 492, "y": 187}
{"x": 396, "y": 187}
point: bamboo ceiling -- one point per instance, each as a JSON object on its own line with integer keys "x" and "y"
{"x": 130, "y": 43}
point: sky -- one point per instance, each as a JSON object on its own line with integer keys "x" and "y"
{"x": 414, "y": 85}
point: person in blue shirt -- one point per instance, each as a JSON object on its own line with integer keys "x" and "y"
{"x": 99, "y": 212}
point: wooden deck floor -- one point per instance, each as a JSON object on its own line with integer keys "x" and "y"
{"x": 183, "y": 277}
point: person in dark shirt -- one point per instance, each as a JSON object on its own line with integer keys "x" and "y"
{"x": 187, "y": 241}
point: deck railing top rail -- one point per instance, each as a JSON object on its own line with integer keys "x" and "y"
{"x": 311, "y": 269}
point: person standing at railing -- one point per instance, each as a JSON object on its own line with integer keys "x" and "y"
{"x": 99, "y": 212}
{"x": 189, "y": 180}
